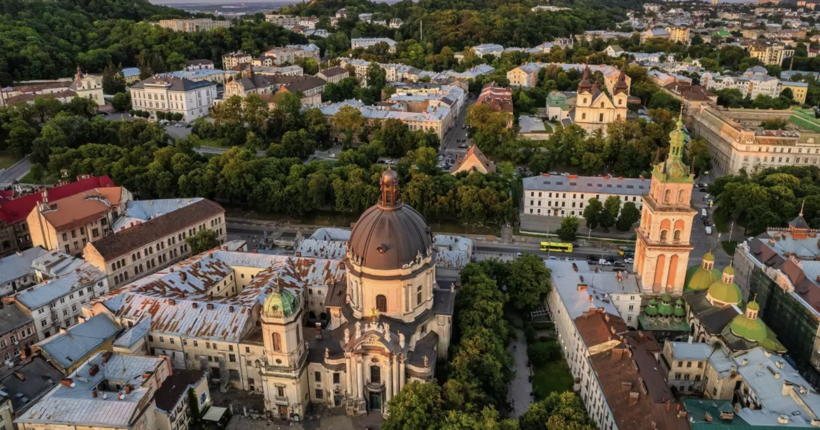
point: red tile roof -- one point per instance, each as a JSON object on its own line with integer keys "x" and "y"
{"x": 17, "y": 209}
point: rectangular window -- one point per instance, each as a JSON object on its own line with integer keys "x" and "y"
{"x": 317, "y": 376}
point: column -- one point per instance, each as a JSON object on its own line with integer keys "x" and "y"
{"x": 394, "y": 372}
{"x": 402, "y": 374}
{"x": 349, "y": 376}
{"x": 360, "y": 388}
{"x": 389, "y": 387}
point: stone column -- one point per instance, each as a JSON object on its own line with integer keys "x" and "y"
{"x": 360, "y": 388}
{"x": 389, "y": 384}
{"x": 394, "y": 373}
{"x": 402, "y": 374}
{"x": 350, "y": 376}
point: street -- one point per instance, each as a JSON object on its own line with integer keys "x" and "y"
{"x": 450, "y": 146}
{"x": 15, "y": 172}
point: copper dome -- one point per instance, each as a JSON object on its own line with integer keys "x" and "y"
{"x": 390, "y": 234}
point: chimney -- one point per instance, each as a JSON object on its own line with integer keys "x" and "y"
{"x": 582, "y": 287}
{"x": 67, "y": 382}
{"x": 668, "y": 405}
{"x": 183, "y": 276}
{"x": 95, "y": 369}
{"x": 634, "y": 396}
{"x": 590, "y": 298}
{"x": 319, "y": 331}
{"x": 194, "y": 305}
{"x": 606, "y": 318}
{"x": 230, "y": 309}
{"x": 616, "y": 356}
{"x": 106, "y": 357}
{"x": 20, "y": 376}
{"x": 172, "y": 302}
{"x": 210, "y": 306}
{"x": 128, "y": 389}
{"x": 626, "y": 386}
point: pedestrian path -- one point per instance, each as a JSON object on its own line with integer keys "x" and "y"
{"x": 520, "y": 390}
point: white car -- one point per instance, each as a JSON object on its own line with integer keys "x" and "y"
{"x": 332, "y": 155}
{"x": 628, "y": 260}
{"x": 552, "y": 258}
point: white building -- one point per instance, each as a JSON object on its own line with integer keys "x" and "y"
{"x": 193, "y": 25}
{"x": 16, "y": 273}
{"x": 367, "y": 42}
{"x": 193, "y": 99}
{"x": 558, "y": 195}
{"x": 752, "y": 83}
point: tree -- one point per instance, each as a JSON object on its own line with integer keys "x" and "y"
{"x": 202, "y": 241}
{"x": 348, "y": 119}
{"x": 774, "y": 124}
{"x": 569, "y": 228}
{"x": 612, "y": 206}
{"x": 629, "y": 216}
{"x": 416, "y": 407}
{"x": 112, "y": 80}
{"x": 527, "y": 284}
{"x": 121, "y": 102}
{"x": 558, "y": 411}
{"x": 699, "y": 155}
{"x": 592, "y": 213}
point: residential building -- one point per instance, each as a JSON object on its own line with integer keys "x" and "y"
{"x": 359, "y": 68}
{"x": 292, "y": 53}
{"x": 769, "y": 53}
{"x": 488, "y": 49}
{"x": 558, "y": 106}
{"x": 662, "y": 249}
{"x": 560, "y": 196}
{"x": 498, "y": 98}
{"x": 16, "y": 273}
{"x": 798, "y": 89}
{"x": 248, "y": 83}
{"x": 368, "y": 42}
{"x": 309, "y": 87}
{"x": 594, "y": 109}
{"x": 134, "y": 340}
{"x": 109, "y": 391}
{"x": 56, "y": 303}
{"x": 193, "y": 25}
{"x": 468, "y": 75}
{"x": 308, "y": 22}
{"x": 28, "y": 92}
{"x": 192, "y": 99}
{"x": 216, "y": 76}
{"x": 396, "y": 23}
{"x": 678, "y": 34}
{"x": 234, "y": 59}
{"x": 333, "y": 74}
{"x": 201, "y": 64}
{"x": 282, "y": 20}
{"x": 173, "y": 411}
{"x": 752, "y": 83}
{"x": 26, "y": 383}
{"x": 152, "y": 235}
{"x": 473, "y": 161}
{"x": 655, "y": 33}
{"x": 614, "y": 51}
{"x": 525, "y": 76}
{"x": 273, "y": 71}
{"x": 685, "y": 364}
{"x": 69, "y": 223}
{"x": 131, "y": 75}
{"x": 736, "y": 141}
{"x": 88, "y": 87}
{"x": 70, "y": 348}
{"x": 206, "y": 315}
{"x": 16, "y": 333}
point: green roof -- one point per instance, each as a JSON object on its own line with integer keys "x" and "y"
{"x": 679, "y": 312}
{"x": 709, "y": 256}
{"x": 688, "y": 59}
{"x": 648, "y": 322}
{"x": 725, "y": 293}
{"x": 749, "y": 329}
{"x": 722, "y": 33}
{"x": 753, "y": 306}
{"x": 730, "y": 270}
{"x": 665, "y": 309}
{"x": 666, "y": 298}
{"x": 651, "y": 310}
{"x": 805, "y": 118}
{"x": 696, "y": 410}
{"x": 698, "y": 278}
{"x": 281, "y": 302}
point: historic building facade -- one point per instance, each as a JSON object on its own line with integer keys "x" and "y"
{"x": 594, "y": 109}
{"x": 662, "y": 251}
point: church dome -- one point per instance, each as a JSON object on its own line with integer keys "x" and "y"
{"x": 390, "y": 234}
{"x": 747, "y": 328}
{"x": 725, "y": 290}
{"x": 652, "y": 309}
{"x": 281, "y": 303}
{"x": 665, "y": 308}
{"x": 699, "y": 278}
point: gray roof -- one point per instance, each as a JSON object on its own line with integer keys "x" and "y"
{"x": 690, "y": 351}
{"x": 25, "y": 383}
{"x": 52, "y": 289}
{"x": 80, "y": 340}
{"x": 587, "y": 184}
{"x": 333, "y": 71}
{"x": 18, "y": 265}
{"x": 172, "y": 83}
{"x": 134, "y": 334}
{"x": 55, "y": 263}
{"x": 137, "y": 211}
{"x": 12, "y": 317}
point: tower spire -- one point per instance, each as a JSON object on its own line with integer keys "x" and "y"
{"x": 801, "y": 207}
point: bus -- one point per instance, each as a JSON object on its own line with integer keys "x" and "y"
{"x": 626, "y": 250}
{"x": 556, "y": 246}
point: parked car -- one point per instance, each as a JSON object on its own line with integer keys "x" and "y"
{"x": 332, "y": 155}
{"x": 463, "y": 146}
{"x": 706, "y": 222}
{"x": 552, "y": 258}
{"x": 603, "y": 262}
{"x": 708, "y": 230}
{"x": 701, "y": 185}
{"x": 618, "y": 264}
{"x": 628, "y": 260}
{"x": 702, "y": 189}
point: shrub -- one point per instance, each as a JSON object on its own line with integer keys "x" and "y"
{"x": 540, "y": 353}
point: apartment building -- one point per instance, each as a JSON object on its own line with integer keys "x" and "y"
{"x": 368, "y": 42}
{"x": 229, "y": 61}
{"x": 109, "y": 391}
{"x": 736, "y": 140}
{"x": 151, "y": 235}
{"x": 799, "y": 90}
{"x": 693, "y": 98}
{"x": 282, "y": 20}
{"x": 678, "y": 34}
{"x": 17, "y": 333}
{"x": 68, "y": 224}
{"x": 333, "y": 74}
{"x": 168, "y": 94}
{"x": 768, "y": 53}
{"x": 292, "y": 53}
{"x": 201, "y": 64}
{"x": 752, "y": 83}
{"x": 193, "y": 25}
{"x": 310, "y": 88}
{"x": 498, "y": 98}
{"x": 70, "y": 348}
{"x": 15, "y": 271}
{"x": 559, "y": 195}
{"x": 172, "y": 398}
{"x": 359, "y": 68}
{"x": 655, "y": 33}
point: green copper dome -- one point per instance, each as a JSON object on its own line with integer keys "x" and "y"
{"x": 729, "y": 270}
{"x": 652, "y": 309}
{"x": 698, "y": 278}
{"x": 665, "y": 309}
{"x": 753, "y": 306}
{"x": 666, "y": 298}
{"x": 709, "y": 256}
{"x": 281, "y": 302}
{"x": 679, "y": 312}
{"x": 725, "y": 292}
{"x": 749, "y": 329}
{"x": 688, "y": 59}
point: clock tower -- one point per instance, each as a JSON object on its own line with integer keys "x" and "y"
{"x": 662, "y": 249}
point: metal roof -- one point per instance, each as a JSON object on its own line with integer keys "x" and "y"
{"x": 16, "y": 266}
{"x": 44, "y": 293}
{"x": 587, "y": 184}
{"x": 144, "y": 210}
{"x": 134, "y": 334}
{"x": 77, "y": 342}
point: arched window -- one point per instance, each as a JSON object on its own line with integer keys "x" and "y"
{"x": 418, "y": 295}
{"x": 680, "y": 196}
{"x": 381, "y": 303}
{"x": 676, "y": 236}
{"x": 277, "y": 342}
{"x": 602, "y": 105}
{"x": 311, "y": 315}
{"x": 620, "y": 102}
{"x": 667, "y": 196}
{"x": 664, "y": 235}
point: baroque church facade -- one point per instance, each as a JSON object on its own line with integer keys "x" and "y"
{"x": 594, "y": 108}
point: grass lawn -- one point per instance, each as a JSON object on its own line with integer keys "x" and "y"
{"x": 28, "y": 179}
{"x": 720, "y": 222}
{"x": 553, "y": 377}
{"x": 7, "y": 160}
{"x": 729, "y": 246}
{"x": 215, "y": 143}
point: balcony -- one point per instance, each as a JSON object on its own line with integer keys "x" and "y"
{"x": 280, "y": 400}
{"x": 374, "y": 386}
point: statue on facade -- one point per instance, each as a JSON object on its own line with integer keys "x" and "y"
{"x": 347, "y": 335}
{"x": 401, "y": 340}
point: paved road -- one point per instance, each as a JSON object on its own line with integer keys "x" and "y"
{"x": 15, "y": 172}
{"x": 449, "y": 147}
{"x": 519, "y": 392}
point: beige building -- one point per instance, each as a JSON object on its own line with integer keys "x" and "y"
{"x": 193, "y": 25}
{"x": 769, "y": 53}
{"x": 309, "y": 87}
{"x": 173, "y": 409}
{"x": 68, "y": 224}
{"x": 662, "y": 250}
{"x": 88, "y": 87}
{"x": 736, "y": 140}
{"x": 473, "y": 161}
{"x": 140, "y": 247}
{"x": 168, "y": 94}
{"x": 594, "y": 109}
{"x": 229, "y": 61}
{"x": 693, "y": 98}
{"x": 292, "y": 53}
{"x": 678, "y": 34}
{"x": 248, "y": 83}
{"x": 109, "y": 391}
{"x": 333, "y": 74}
{"x": 799, "y": 90}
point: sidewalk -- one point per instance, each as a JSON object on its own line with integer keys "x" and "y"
{"x": 551, "y": 224}
{"x": 520, "y": 390}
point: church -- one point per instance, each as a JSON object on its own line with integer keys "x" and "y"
{"x": 594, "y": 108}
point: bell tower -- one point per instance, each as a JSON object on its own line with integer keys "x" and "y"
{"x": 662, "y": 249}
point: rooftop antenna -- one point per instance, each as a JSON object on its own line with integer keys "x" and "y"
{"x": 801, "y": 207}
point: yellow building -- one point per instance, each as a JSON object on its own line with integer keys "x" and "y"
{"x": 594, "y": 109}
{"x": 799, "y": 90}
{"x": 678, "y": 34}
{"x": 769, "y": 53}
{"x": 662, "y": 251}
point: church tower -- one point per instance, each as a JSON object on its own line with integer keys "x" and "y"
{"x": 662, "y": 249}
